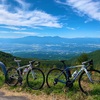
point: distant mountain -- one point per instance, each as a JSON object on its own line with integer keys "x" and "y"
{"x": 50, "y": 40}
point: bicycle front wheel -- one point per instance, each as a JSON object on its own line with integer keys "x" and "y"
{"x": 35, "y": 78}
{"x": 87, "y": 86}
{"x": 12, "y": 76}
{"x": 56, "y": 79}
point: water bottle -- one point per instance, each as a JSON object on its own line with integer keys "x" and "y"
{"x": 25, "y": 71}
{"x": 74, "y": 74}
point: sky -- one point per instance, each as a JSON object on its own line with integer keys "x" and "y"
{"x": 64, "y": 18}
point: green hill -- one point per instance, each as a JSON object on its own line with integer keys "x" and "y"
{"x": 96, "y": 57}
{"x": 8, "y": 60}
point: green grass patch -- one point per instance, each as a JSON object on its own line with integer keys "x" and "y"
{"x": 73, "y": 93}
{"x": 2, "y": 79}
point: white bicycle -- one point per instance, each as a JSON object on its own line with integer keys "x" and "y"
{"x": 35, "y": 77}
{"x": 89, "y": 80}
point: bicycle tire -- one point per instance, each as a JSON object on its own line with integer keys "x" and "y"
{"x": 51, "y": 79}
{"x": 88, "y": 87}
{"x": 12, "y": 76}
{"x": 38, "y": 81}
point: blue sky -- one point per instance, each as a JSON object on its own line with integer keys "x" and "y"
{"x": 64, "y": 18}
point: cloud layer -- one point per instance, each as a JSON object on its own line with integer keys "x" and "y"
{"x": 86, "y": 7}
{"x": 21, "y": 16}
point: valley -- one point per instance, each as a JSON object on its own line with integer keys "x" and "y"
{"x": 49, "y": 47}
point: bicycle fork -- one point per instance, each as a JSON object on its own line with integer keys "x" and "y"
{"x": 33, "y": 74}
{"x": 88, "y": 75}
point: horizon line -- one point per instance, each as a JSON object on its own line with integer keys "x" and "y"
{"x": 45, "y": 36}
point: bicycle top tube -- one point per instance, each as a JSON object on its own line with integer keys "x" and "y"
{"x": 75, "y": 66}
{"x": 22, "y": 67}
{"x": 90, "y": 62}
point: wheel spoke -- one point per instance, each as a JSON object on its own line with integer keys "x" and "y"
{"x": 56, "y": 79}
{"x": 12, "y": 76}
{"x": 87, "y": 86}
{"x": 35, "y": 79}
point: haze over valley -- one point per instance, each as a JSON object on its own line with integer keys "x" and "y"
{"x": 48, "y": 47}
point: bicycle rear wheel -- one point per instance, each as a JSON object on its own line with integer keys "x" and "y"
{"x": 88, "y": 87}
{"x": 12, "y": 76}
{"x": 2, "y": 78}
{"x": 56, "y": 79}
{"x": 35, "y": 78}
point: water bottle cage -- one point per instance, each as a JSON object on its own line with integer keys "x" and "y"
{"x": 74, "y": 74}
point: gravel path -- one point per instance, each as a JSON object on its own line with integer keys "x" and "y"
{"x": 4, "y": 97}
{"x": 12, "y": 95}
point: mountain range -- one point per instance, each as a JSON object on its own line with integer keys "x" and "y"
{"x": 49, "y": 40}
{"x": 48, "y": 47}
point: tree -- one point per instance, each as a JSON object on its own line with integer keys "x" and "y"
{"x": 83, "y": 57}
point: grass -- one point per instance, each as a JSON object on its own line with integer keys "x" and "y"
{"x": 73, "y": 93}
{"x": 2, "y": 79}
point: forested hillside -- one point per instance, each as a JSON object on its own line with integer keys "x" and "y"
{"x": 8, "y": 60}
{"x": 96, "y": 57}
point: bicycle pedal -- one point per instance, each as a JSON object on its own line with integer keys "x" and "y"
{"x": 20, "y": 84}
{"x": 35, "y": 78}
{"x": 54, "y": 83}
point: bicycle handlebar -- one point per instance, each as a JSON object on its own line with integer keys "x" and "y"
{"x": 63, "y": 61}
{"x": 90, "y": 62}
{"x": 36, "y": 63}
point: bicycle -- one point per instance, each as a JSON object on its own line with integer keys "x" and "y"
{"x": 89, "y": 79}
{"x": 34, "y": 78}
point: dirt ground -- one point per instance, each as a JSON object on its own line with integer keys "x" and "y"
{"x": 26, "y": 96}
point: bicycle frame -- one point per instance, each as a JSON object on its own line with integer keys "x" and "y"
{"x": 22, "y": 67}
{"x": 83, "y": 68}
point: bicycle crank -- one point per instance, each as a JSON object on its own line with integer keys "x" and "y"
{"x": 69, "y": 84}
{"x": 20, "y": 80}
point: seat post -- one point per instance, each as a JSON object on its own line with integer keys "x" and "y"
{"x": 18, "y": 62}
{"x": 63, "y": 63}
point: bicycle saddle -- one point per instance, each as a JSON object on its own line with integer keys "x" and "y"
{"x": 17, "y": 60}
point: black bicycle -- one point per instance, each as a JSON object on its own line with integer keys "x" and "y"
{"x": 35, "y": 77}
{"x": 89, "y": 79}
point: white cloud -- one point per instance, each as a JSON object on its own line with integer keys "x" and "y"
{"x": 25, "y": 33}
{"x": 19, "y": 32}
{"x": 13, "y": 28}
{"x": 23, "y": 4}
{"x": 70, "y": 28}
{"x": 88, "y": 20}
{"x": 24, "y": 17}
{"x": 87, "y": 7}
